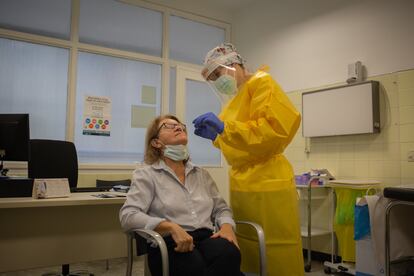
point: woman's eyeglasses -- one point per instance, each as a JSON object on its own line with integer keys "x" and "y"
{"x": 171, "y": 126}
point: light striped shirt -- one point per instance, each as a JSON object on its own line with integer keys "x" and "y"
{"x": 156, "y": 195}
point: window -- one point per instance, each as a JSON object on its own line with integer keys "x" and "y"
{"x": 33, "y": 79}
{"x": 44, "y": 17}
{"x": 190, "y": 40}
{"x": 199, "y": 100}
{"x": 114, "y": 50}
{"x": 173, "y": 92}
{"x": 134, "y": 88}
{"x": 117, "y": 25}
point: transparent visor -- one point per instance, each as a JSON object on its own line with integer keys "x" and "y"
{"x": 223, "y": 82}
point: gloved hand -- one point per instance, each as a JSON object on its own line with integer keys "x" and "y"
{"x": 209, "y": 119}
{"x": 206, "y": 132}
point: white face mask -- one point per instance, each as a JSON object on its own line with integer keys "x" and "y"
{"x": 176, "y": 152}
{"x": 226, "y": 84}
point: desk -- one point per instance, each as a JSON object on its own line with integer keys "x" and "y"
{"x": 48, "y": 232}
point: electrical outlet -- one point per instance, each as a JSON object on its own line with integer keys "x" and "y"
{"x": 410, "y": 156}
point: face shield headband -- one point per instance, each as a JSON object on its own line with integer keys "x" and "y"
{"x": 224, "y": 60}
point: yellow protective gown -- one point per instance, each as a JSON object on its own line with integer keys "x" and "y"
{"x": 260, "y": 121}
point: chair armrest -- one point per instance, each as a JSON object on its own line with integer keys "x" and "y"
{"x": 157, "y": 238}
{"x": 262, "y": 244}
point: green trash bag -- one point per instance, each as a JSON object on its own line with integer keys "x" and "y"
{"x": 344, "y": 220}
{"x": 345, "y": 204}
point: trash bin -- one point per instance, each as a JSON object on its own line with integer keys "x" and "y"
{"x": 347, "y": 192}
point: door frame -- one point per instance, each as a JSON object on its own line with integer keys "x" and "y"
{"x": 220, "y": 172}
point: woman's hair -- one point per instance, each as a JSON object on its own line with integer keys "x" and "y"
{"x": 152, "y": 154}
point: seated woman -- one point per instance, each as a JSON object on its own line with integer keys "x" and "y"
{"x": 180, "y": 200}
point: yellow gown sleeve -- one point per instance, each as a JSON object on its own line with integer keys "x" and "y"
{"x": 272, "y": 120}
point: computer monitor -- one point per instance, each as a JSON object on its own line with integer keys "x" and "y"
{"x": 14, "y": 138}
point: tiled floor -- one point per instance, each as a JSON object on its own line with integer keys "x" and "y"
{"x": 317, "y": 269}
{"x": 117, "y": 267}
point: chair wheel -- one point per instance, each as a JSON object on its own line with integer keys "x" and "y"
{"x": 327, "y": 270}
{"x": 308, "y": 268}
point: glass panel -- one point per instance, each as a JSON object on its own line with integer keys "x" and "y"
{"x": 173, "y": 94}
{"x": 199, "y": 100}
{"x": 134, "y": 88}
{"x": 113, "y": 24}
{"x": 190, "y": 41}
{"x": 44, "y": 17}
{"x": 33, "y": 79}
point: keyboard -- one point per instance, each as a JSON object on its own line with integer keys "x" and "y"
{"x": 88, "y": 189}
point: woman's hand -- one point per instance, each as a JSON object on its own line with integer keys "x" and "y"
{"x": 183, "y": 240}
{"x": 226, "y": 232}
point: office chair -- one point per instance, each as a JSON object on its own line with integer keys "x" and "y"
{"x": 142, "y": 235}
{"x": 54, "y": 159}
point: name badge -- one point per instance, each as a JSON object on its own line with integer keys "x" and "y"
{"x": 50, "y": 188}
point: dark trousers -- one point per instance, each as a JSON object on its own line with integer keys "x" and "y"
{"x": 210, "y": 257}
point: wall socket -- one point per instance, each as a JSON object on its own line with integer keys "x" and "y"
{"x": 410, "y": 156}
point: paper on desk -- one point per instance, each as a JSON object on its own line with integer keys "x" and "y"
{"x": 106, "y": 195}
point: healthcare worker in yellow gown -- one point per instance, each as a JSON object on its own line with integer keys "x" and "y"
{"x": 252, "y": 131}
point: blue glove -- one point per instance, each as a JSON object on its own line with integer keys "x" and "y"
{"x": 209, "y": 119}
{"x": 206, "y": 132}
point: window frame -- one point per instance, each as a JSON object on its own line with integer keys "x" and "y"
{"x": 74, "y": 46}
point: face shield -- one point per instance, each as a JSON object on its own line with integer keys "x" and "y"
{"x": 222, "y": 79}
{"x": 219, "y": 70}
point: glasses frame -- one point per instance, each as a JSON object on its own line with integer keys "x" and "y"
{"x": 174, "y": 125}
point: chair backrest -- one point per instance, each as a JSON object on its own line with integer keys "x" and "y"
{"x": 53, "y": 159}
{"x": 110, "y": 183}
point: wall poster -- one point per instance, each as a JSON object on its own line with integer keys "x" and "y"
{"x": 97, "y": 116}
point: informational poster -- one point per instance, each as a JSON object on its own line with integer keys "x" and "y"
{"x": 97, "y": 116}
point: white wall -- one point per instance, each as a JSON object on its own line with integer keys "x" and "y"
{"x": 310, "y": 43}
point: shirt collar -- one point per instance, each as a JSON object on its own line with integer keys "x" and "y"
{"x": 160, "y": 165}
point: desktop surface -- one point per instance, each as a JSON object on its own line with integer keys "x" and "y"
{"x": 75, "y": 199}
{"x": 12, "y": 186}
